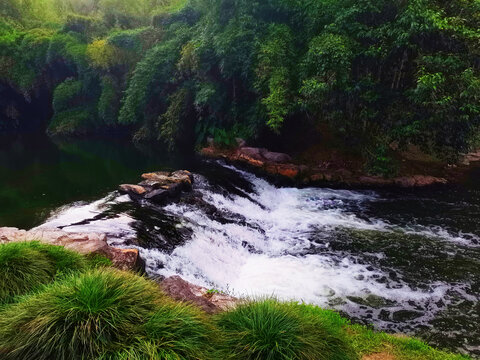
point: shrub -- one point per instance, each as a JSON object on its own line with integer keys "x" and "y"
{"x": 65, "y": 94}
{"x": 102, "y": 55}
{"x": 272, "y": 330}
{"x": 77, "y": 121}
{"x": 84, "y": 25}
{"x": 79, "y": 317}
{"x": 109, "y": 101}
{"x": 24, "y": 266}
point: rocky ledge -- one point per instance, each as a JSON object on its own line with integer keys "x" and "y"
{"x": 159, "y": 186}
{"x": 210, "y": 301}
{"x": 279, "y": 164}
{"x": 83, "y": 243}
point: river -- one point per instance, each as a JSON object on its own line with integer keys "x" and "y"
{"x": 403, "y": 260}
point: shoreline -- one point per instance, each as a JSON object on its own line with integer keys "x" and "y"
{"x": 282, "y": 169}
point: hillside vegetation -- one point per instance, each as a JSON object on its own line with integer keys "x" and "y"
{"x": 372, "y": 72}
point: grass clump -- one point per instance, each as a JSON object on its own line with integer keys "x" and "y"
{"x": 176, "y": 331}
{"x": 366, "y": 341}
{"x": 78, "y": 317}
{"x": 24, "y": 266}
{"x": 271, "y": 330}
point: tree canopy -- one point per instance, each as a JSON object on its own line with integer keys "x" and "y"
{"x": 373, "y": 71}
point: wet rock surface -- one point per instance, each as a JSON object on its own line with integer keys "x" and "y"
{"x": 160, "y": 186}
{"x": 83, "y": 243}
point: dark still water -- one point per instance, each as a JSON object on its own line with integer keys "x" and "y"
{"x": 403, "y": 260}
{"x": 38, "y": 175}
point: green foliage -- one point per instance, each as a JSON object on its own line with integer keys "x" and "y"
{"x": 275, "y": 61}
{"x": 374, "y": 71}
{"x": 155, "y": 68}
{"x": 75, "y": 106}
{"x": 171, "y": 120}
{"x": 102, "y": 55}
{"x": 109, "y": 101}
{"x": 74, "y": 122}
{"x": 328, "y": 59}
{"x": 380, "y": 162}
{"x": 25, "y": 266}
{"x": 65, "y": 95}
{"x": 85, "y": 25}
{"x": 272, "y": 330}
{"x": 78, "y": 317}
{"x": 366, "y": 341}
{"x": 98, "y": 261}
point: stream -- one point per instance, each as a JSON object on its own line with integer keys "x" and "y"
{"x": 405, "y": 261}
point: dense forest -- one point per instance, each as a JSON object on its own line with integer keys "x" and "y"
{"x": 369, "y": 72}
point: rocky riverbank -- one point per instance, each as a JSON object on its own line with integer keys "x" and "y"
{"x": 283, "y": 166}
{"x": 210, "y": 300}
{"x": 83, "y": 243}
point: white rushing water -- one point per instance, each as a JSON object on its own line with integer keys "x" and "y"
{"x": 270, "y": 252}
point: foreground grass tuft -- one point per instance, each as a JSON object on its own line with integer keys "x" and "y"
{"x": 366, "y": 341}
{"x": 24, "y": 266}
{"x": 272, "y": 330}
{"x": 176, "y": 331}
{"x": 78, "y": 317}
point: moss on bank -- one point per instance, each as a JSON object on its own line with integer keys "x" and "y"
{"x": 103, "y": 313}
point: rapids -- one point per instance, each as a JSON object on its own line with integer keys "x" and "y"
{"x": 403, "y": 261}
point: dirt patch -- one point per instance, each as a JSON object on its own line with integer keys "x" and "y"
{"x": 379, "y": 356}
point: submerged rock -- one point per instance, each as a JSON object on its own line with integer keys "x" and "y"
{"x": 405, "y": 315}
{"x": 83, "y": 243}
{"x": 209, "y": 300}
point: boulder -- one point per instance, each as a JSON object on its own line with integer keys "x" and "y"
{"x": 252, "y": 152}
{"x": 132, "y": 189}
{"x": 209, "y": 301}
{"x": 276, "y": 157}
{"x": 150, "y": 184}
{"x": 126, "y": 259}
{"x": 159, "y": 186}
{"x": 83, "y": 243}
{"x": 159, "y": 195}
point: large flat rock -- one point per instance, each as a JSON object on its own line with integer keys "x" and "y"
{"x": 83, "y": 243}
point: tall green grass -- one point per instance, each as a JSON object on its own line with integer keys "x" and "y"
{"x": 176, "y": 331}
{"x": 271, "y": 330}
{"x": 24, "y": 266}
{"x": 78, "y": 317}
